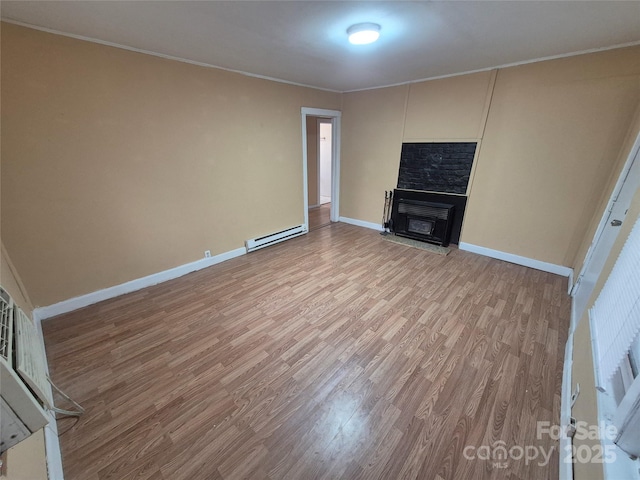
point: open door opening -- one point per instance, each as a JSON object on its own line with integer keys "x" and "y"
{"x": 319, "y": 171}
{"x": 324, "y": 161}
{"x": 321, "y": 166}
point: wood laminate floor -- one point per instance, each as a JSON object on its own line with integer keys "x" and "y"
{"x": 332, "y": 355}
{"x": 319, "y": 216}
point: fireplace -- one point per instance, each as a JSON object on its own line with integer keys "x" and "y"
{"x": 431, "y": 196}
{"x": 421, "y": 219}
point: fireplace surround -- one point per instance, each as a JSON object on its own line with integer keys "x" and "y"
{"x": 422, "y": 220}
{"x": 419, "y": 215}
{"x": 430, "y": 199}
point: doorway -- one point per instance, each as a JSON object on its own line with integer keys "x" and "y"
{"x": 324, "y": 163}
{"x": 319, "y": 178}
{"x": 321, "y": 166}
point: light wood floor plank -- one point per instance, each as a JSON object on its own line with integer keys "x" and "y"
{"x": 332, "y": 355}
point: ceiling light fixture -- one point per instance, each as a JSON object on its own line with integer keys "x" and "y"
{"x": 363, "y": 33}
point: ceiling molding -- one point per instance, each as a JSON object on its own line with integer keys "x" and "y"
{"x": 161, "y": 55}
{"x": 288, "y": 82}
{"x": 506, "y": 65}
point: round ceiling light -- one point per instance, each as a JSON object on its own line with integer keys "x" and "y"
{"x": 363, "y": 33}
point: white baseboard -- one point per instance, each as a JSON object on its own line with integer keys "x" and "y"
{"x": 66, "y": 306}
{"x": 518, "y": 260}
{"x": 566, "y": 468}
{"x": 570, "y": 282}
{"x": 51, "y": 440}
{"x": 52, "y": 449}
{"x": 361, "y": 223}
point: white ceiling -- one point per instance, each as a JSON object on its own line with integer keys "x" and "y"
{"x": 305, "y": 42}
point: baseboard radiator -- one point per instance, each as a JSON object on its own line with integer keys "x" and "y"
{"x": 261, "y": 242}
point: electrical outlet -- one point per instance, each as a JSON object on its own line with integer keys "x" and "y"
{"x": 207, "y": 254}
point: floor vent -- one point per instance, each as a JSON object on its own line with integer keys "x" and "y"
{"x": 261, "y": 242}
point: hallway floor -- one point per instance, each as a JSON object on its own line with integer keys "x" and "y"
{"x": 319, "y": 216}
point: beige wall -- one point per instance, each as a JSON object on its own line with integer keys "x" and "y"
{"x": 371, "y": 139}
{"x": 552, "y": 138}
{"x": 117, "y": 165}
{"x": 448, "y": 109}
{"x": 312, "y": 161}
{"x": 27, "y": 459}
{"x": 375, "y": 123}
{"x": 632, "y": 135}
{"x": 551, "y": 142}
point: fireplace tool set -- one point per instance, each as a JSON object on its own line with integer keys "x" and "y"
{"x": 386, "y": 213}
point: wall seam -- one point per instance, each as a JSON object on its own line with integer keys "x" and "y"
{"x": 487, "y": 109}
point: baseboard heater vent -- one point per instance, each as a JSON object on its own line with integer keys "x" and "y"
{"x": 261, "y": 242}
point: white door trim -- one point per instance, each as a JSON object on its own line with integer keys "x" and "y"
{"x": 566, "y": 468}
{"x": 335, "y": 117}
{"x": 318, "y": 121}
{"x": 624, "y": 174}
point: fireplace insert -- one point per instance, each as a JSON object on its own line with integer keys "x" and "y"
{"x": 422, "y": 220}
